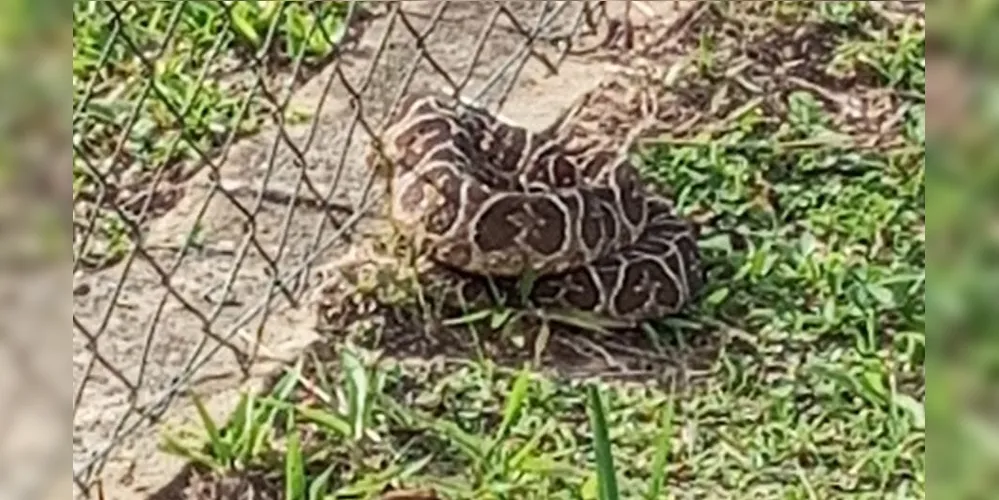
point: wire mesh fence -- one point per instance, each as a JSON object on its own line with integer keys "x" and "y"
{"x": 217, "y": 162}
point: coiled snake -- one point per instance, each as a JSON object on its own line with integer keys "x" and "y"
{"x": 493, "y": 202}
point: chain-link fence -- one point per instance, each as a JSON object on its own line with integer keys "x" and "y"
{"x": 217, "y": 161}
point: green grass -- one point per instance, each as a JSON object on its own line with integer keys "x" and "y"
{"x": 814, "y": 242}
{"x": 169, "y": 83}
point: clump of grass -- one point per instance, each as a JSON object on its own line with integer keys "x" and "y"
{"x": 356, "y": 432}
{"x": 311, "y": 439}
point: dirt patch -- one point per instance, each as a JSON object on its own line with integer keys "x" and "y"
{"x": 250, "y": 484}
{"x": 175, "y": 319}
{"x": 564, "y": 351}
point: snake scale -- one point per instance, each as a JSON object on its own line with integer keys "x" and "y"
{"x": 493, "y": 202}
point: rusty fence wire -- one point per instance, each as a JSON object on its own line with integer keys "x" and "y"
{"x": 215, "y": 164}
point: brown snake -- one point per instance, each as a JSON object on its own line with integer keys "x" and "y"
{"x": 493, "y": 202}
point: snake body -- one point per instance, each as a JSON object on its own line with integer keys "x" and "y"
{"x": 493, "y": 202}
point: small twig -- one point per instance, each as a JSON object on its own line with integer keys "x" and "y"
{"x": 314, "y": 390}
{"x": 281, "y": 196}
{"x": 635, "y": 351}
{"x": 608, "y": 358}
{"x": 818, "y": 89}
{"x": 573, "y": 347}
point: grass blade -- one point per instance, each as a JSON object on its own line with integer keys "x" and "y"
{"x": 357, "y": 393}
{"x": 584, "y": 319}
{"x": 294, "y": 469}
{"x": 499, "y": 318}
{"x": 472, "y": 317}
{"x": 526, "y": 284}
{"x": 320, "y": 485}
{"x": 541, "y": 342}
{"x": 606, "y": 480}
{"x": 220, "y": 449}
{"x": 321, "y": 417}
{"x": 514, "y": 404}
{"x": 325, "y": 419}
{"x": 241, "y": 425}
{"x": 190, "y": 453}
{"x": 518, "y": 459}
{"x": 662, "y": 454}
{"x": 471, "y": 444}
{"x": 263, "y": 431}
{"x": 548, "y": 466}
{"x": 243, "y": 25}
{"x": 590, "y": 487}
